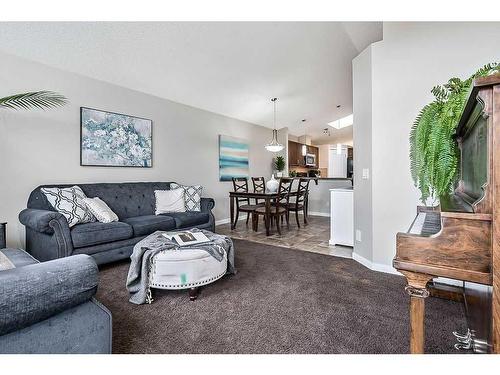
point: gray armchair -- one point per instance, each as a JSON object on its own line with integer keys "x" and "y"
{"x": 49, "y": 307}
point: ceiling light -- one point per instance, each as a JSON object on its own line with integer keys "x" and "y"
{"x": 343, "y": 122}
{"x": 274, "y": 145}
{"x": 304, "y": 147}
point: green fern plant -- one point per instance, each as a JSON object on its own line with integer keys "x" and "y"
{"x": 30, "y": 100}
{"x": 434, "y": 153}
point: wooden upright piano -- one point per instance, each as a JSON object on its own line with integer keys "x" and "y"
{"x": 460, "y": 239}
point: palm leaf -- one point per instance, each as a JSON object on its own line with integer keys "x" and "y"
{"x": 30, "y": 100}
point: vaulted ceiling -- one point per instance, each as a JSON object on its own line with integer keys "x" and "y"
{"x": 231, "y": 68}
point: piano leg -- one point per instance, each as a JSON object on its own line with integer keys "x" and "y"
{"x": 418, "y": 292}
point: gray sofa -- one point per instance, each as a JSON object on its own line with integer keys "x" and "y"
{"x": 48, "y": 235}
{"x": 49, "y": 307}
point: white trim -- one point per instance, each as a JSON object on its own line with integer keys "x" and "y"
{"x": 228, "y": 220}
{"x": 222, "y": 221}
{"x": 374, "y": 266}
{"x": 316, "y": 213}
{"x": 388, "y": 269}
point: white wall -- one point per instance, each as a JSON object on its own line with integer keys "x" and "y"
{"x": 43, "y": 147}
{"x": 411, "y": 59}
{"x": 362, "y": 132}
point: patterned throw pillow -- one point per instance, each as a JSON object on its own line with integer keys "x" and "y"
{"x": 192, "y": 196}
{"x": 169, "y": 201}
{"x": 100, "y": 210}
{"x": 70, "y": 203}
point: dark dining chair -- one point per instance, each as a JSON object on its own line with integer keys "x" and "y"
{"x": 300, "y": 203}
{"x": 259, "y": 186}
{"x": 278, "y": 208}
{"x": 240, "y": 184}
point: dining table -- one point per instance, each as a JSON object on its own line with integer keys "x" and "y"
{"x": 267, "y": 196}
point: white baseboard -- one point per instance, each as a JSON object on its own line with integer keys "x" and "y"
{"x": 389, "y": 269}
{"x": 223, "y": 221}
{"x": 374, "y": 266}
{"x": 228, "y": 220}
{"x": 316, "y": 213}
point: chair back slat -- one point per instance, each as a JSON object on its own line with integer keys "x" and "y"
{"x": 284, "y": 189}
{"x": 259, "y": 184}
{"x": 302, "y": 190}
{"x": 240, "y": 185}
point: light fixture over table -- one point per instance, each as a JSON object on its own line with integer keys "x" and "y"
{"x": 274, "y": 145}
{"x": 304, "y": 147}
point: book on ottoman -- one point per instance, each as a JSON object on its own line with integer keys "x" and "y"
{"x": 187, "y": 238}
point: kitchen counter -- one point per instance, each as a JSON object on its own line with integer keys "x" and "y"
{"x": 326, "y": 178}
{"x": 335, "y": 178}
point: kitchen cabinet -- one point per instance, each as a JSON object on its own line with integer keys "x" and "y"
{"x": 293, "y": 154}
{"x": 295, "y": 157}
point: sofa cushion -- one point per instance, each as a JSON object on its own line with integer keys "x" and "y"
{"x": 188, "y": 219}
{"x": 144, "y": 225}
{"x": 96, "y": 233}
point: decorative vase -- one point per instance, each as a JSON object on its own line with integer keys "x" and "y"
{"x": 272, "y": 184}
{"x": 279, "y": 174}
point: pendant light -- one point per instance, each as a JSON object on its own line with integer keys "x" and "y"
{"x": 274, "y": 145}
{"x": 304, "y": 147}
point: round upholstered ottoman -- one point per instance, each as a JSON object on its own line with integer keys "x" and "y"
{"x": 185, "y": 269}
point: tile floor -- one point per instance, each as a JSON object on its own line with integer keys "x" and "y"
{"x": 312, "y": 237}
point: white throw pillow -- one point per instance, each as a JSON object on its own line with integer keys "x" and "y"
{"x": 169, "y": 201}
{"x": 100, "y": 210}
{"x": 70, "y": 203}
{"x": 192, "y": 196}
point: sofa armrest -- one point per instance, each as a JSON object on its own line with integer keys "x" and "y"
{"x": 48, "y": 234}
{"x": 207, "y": 204}
{"x": 40, "y": 220}
{"x": 38, "y": 291}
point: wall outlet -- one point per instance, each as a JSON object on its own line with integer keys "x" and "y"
{"x": 358, "y": 235}
{"x": 366, "y": 174}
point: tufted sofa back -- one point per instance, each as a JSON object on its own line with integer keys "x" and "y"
{"x": 128, "y": 199}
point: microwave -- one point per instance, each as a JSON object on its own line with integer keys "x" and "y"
{"x": 310, "y": 160}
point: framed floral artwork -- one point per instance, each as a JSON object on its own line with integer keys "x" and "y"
{"x": 109, "y": 139}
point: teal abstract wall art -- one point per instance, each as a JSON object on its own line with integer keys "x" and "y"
{"x": 111, "y": 139}
{"x": 233, "y": 158}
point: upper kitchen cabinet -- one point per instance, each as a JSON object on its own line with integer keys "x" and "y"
{"x": 295, "y": 156}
